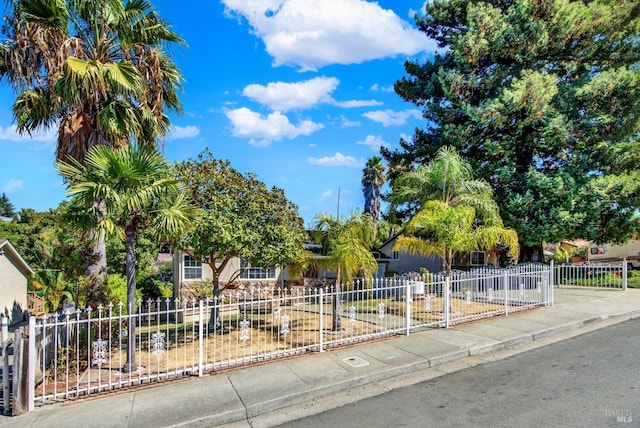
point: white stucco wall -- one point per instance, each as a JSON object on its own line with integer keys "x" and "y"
{"x": 13, "y": 290}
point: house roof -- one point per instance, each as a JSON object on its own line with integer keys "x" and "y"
{"x": 7, "y": 250}
{"x": 391, "y": 239}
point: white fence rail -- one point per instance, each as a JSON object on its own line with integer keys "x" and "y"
{"x": 592, "y": 275}
{"x": 84, "y": 352}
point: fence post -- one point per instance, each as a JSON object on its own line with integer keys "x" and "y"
{"x": 505, "y": 284}
{"x": 552, "y": 274}
{"x": 321, "y": 319}
{"x": 31, "y": 373}
{"x": 547, "y": 287}
{"x": 447, "y": 300}
{"x": 624, "y": 274}
{"x": 17, "y": 389}
{"x": 201, "y": 335}
{"x": 408, "y": 300}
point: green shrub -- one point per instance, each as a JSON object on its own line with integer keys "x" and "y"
{"x": 117, "y": 285}
{"x": 633, "y": 279}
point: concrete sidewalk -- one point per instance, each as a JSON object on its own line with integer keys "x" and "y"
{"x": 272, "y": 393}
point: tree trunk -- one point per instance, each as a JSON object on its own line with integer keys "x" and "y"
{"x": 214, "y": 323}
{"x": 130, "y": 266}
{"x": 97, "y": 271}
{"x": 531, "y": 253}
{"x": 99, "y": 268}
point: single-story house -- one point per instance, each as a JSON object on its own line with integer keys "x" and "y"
{"x": 186, "y": 269}
{"x": 14, "y": 274}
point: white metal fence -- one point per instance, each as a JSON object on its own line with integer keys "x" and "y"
{"x": 83, "y": 352}
{"x": 592, "y": 275}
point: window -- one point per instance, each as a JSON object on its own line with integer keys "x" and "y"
{"x": 250, "y": 272}
{"x": 395, "y": 255}
{"x": 597, "y": 250}
{"x": 192, "y": 268}
{"x": 477, "y": 258}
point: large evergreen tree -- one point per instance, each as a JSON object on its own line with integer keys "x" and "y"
{"x": 6, "y": 207}
{"x": 543, "y": 98}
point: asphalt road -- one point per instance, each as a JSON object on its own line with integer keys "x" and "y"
{"x": 592, "y": 380}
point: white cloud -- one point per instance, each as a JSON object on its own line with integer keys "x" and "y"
{"x": 421, "y": 12}
{"x": 12, "y": 185}
{"x": 312, "y": 34}
{"x": 391, "y": 117}
{"x": 374, "y": 142}
{"x": 183, "y": 132}
{"x": 46, "y": 139}
{"x": 325, "y": 195}
{"x": 283, "y": 96}
{"x": 263, "y": 130}
{"x": 292, "y": 96}
{"x": 356, "y": 103}
{"x": 377, "y": 88}
{"x": 346, "y": 123}
{"x": 336, "y": 160}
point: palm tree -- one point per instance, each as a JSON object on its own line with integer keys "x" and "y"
{"x": 450, "y": 230}
{"x": 96, "y": 70}
{"x": 447, "y": 178}
{"x": 346, "y": 244}
{"x": 139, "y": 193}
{"x": 55, "y": 289}
{"x": 373, "y": 177}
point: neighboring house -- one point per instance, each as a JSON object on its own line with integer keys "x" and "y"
{"x": 403, "y": 261}
{"x": 14, "y": 273}
{"x": 628, "y": 252}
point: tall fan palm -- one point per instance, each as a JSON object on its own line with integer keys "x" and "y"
{"x": 373, "y": 177}
{"x": 139, "y": 192}
{"x": 346, "y": 244}
{"x": 96, "y": 70}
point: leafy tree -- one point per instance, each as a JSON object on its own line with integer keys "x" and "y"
{"x": 139, "y": 193}
{"x": 346, "y": 244}
{"x": 373, "y": 178}
{"x": 6, "y": 207}
{"x": 97, "y": 70}
{"x": 542, "y": 98}
{"x": 238, "y": 217}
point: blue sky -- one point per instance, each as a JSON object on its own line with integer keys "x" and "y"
{"x": 299, "y": 92}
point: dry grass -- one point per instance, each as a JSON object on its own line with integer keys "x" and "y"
{"x": 255, "y": 337}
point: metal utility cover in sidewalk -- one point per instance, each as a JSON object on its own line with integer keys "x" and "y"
{"x": 356, "y": 362}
